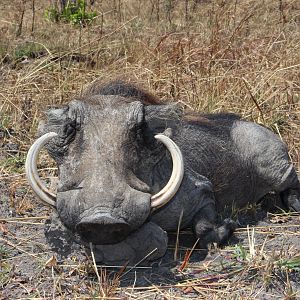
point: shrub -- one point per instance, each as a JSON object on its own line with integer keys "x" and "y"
{"x": 73, "y": 12}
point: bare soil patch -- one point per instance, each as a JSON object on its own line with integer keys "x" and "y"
{"x": 259, "y": 262}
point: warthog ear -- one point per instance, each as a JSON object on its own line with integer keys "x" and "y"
{"x": 160, "y": 117}
{"x": 65, "y": 121}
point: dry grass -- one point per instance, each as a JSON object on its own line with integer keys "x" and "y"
{"x": 237, "y": 56}
{"x": 248, "y": 271}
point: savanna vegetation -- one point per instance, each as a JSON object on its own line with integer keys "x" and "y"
{"x": 207, "y": 55}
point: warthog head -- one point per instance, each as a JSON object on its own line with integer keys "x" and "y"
{"x": 106, "y": 145}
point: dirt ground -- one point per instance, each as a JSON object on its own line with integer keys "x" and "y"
{"x": 259, "y": 262}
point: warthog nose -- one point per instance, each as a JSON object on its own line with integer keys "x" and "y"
{"x": 102, "y": 230}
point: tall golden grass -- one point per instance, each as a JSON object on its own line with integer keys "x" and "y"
{"x": 211, "y": 56}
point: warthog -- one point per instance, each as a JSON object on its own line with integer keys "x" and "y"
{"x": 130, "y": 167}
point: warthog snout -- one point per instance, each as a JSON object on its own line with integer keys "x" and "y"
{"x": 102, "y": 229}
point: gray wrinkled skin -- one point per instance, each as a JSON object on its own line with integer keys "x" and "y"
{"x": 133, "y": 249}
{"x": 110, "y": 165}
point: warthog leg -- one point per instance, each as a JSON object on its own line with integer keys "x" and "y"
{"x": 291, "y": 199}
{"x": 205, "y": 228}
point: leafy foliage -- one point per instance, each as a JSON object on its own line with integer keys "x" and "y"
{"x": 27, "y": 49}
{"x": 240, "y": 253}
{"x": 290, "y": 264}
{"x": 74, "y": 12}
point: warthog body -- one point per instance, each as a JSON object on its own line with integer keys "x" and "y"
{"x": 110, "y": 164}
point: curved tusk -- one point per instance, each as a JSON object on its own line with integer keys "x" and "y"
{"x": 32, "y": 173}
{"x": 167, "y": 193}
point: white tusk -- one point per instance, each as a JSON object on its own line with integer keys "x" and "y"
{"x": 32, "y": 173}
{"x": 167, "y": 193}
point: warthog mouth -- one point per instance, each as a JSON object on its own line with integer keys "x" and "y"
{"x": 157, "y": 200}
